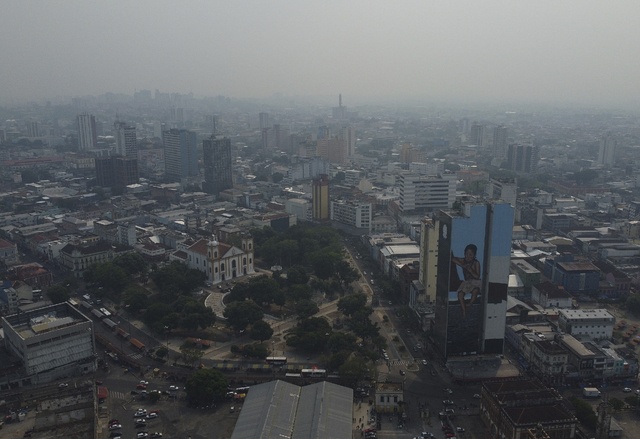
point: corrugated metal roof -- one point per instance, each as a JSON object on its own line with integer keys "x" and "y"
{"x": 278, "y": 409}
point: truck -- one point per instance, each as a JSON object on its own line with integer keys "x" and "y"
{"x": 591, "y": 392}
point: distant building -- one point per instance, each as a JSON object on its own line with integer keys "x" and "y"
{"x": 87, "y": 132}
{"x": 476, "y": 134}
{"x": 607, "y": 151}
{"x": 352, "y": 213}
{"x": 523, "y": 158}
{"x": 423, "y": 193}
{"x": 500, "y": 141}
{"x": 126, "y": 142}
{"x": 217, "y": 162}
{"x": 180, "y": 154}
{"x": 320, "y": 198}
{"x": 116, "y": 171}
{"x": 505, "y": 189}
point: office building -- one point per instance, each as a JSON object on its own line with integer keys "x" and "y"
{"x": 607, "y": 152}
{"x": 116, "y": 171}
{"x": 320, "y": 198}
{"x": 51, "y": 342}
{"x": 505, "y": 189}
{"x": 476, "y": 134}
{"x": 87, "y": 132}
{"x": 353, "y": 214}
{"x": 33, "y": 130}
{"x": 180, "y": 154}
{"x": 474, "y": 249}
{"x": 522, "y": 158}
{"x": 217, "y": 165}
{"x": 425, "y": 192}
{"x": 339, "y": 112}
{"x": 428, "y": 272}
{"x": 126, "y": 142}
{"x": 500, "y": 141}
{"x": 348, "y": 136}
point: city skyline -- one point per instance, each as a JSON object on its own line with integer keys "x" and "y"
{"x": 573, "y": 52}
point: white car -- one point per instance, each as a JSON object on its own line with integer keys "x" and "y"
{"x": 115, "y": 427}
{"x": 476, "y": 395}
{"x": 424, "y": 362}
{"x": 627, "y": 390}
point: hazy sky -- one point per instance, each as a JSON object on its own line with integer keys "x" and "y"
{"x": 584, "y": 51}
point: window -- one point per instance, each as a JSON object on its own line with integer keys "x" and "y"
{"x": 382, "y": 399}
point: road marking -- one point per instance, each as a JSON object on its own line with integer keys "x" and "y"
{"x": 118, "y": 395}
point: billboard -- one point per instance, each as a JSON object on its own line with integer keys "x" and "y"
{"x": 473, "y": 272}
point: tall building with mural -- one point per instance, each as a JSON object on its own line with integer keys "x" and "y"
{"x": 320, "y": 198}
{"x": 474, "y": 249}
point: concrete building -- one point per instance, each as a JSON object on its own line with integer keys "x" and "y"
{"x": 522, "y": 158}
{"x": 548, "y": 295}
{"x": 126, "y": 142}
{"x": 607, "y": 151}
{"x": 217, "y": 161}
{"x": 87, "y": 132}
{"x": 474, "y": 249}
{"x": 424, "y": 193}
{"x": 428, "y": 258}
{"x": 504, "y": 189}
{"x": 116, "y": 171}
{"x": 596, "y": 324}
{"x": 500, "y": 141}
{"x": 220, "y": 261}
{"x": 299, "y": 207}
{"x": 476, "y": 134}
{"x": 512, "y": 407}
{"x": 353, "y": 214}
{"x": 180, "y": 154}
{"x": 320, "y": 198}
{"x": 51, "y": 342}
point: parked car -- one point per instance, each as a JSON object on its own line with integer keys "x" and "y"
{"x": 627, "y": 390}
{"x": 459, "y": 430}
{"x": 115, "y": 427}
{"x": 447, "y": 402}
{"x": 156, "y": 434}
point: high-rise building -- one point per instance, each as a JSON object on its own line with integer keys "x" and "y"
{"x": 339, "y": 112}
{"x": 522, "y": 158}
{"x": 87, "y": 132}
{"x": 473, "y": 253}
{"x": 476, "y": 134}
{"x": 504, "y": 189}
{"x": 116, "y": 171}
{"x": 354, "y": 214}
{"x": 427, "y": 192}
{"x": 126, "y": 142}
{"x": 33, "y": 129}
{"x": 217, "y": 165}
{"x": 607, "y": 152}
{"x": 500, "y": 141}
{"x": 348, "y": 135}
{"x": 180, "y": 154}
{"x": 320, "y": 198}
{"x": 264, "y": 120}
{"x": 428, "y": 272}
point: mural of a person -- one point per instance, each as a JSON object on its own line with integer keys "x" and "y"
{"x": 471, "y": 273}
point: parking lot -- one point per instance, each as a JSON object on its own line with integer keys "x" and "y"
{"x": 173, "y": 419}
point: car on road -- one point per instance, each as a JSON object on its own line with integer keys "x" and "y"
{"x": 115, "y": 427}
{"x": 156, "y": 434}
{"x": 476, "y": 395}
{"x": 424, "y": 362}
{"x": 142, "y": 435}
{"x": 173, "y": 388}
{"x": 63, "y": 385}
{"x": 402, "y": 372}
{"x": 459, "y": 430}
{"x": 449, "y": 412}
{"x": 141, "y": 386}
{"x": 152, "y": 415}
{"x": 627, "y": 390}
{"x": 447, "y": 402}
{"x": 146, "y": 383}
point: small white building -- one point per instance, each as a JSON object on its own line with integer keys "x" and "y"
{"x": 594, "y": 323}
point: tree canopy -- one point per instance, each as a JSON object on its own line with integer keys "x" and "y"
{"x": 205, "y": 387}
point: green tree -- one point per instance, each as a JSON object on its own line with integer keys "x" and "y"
{"x": 297, "y": 275}
{"x": 306, "y": 308}
{"x": 206, "y": 386}
{"x": 585, "y": 413}
{"x": 633, "y": 304}
{"x": 616, "y": 403}
{"x": 135, "y": 298}
{"x": 241, "y": 314}
{"x": 260, "y": 331}
{"x": 341, "y": 341}
{"x": 354, "y": 370}
{"x": 162, "y": 352}
{"x": 310, "y": 335}
{"x": 348, "y": 305}
{"x": 132, "y": 263}
{"x": 190, "y": 355}
{"x": 277, "y": 177}
{"x": 58, "y": 293}
{"x": 346, "y": 273}
{"x": 299, "y": 292}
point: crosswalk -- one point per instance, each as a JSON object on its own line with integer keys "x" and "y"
{"x": 118, "y": 395}
{"x": 400, "y": 362}
{"x": 135, "y": 356}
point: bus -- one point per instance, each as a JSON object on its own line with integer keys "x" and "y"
{"x": 277, "y": 361}
{"x": 313, "y": 373}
